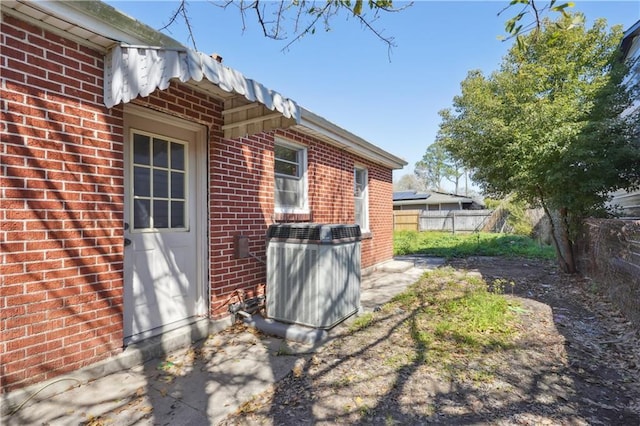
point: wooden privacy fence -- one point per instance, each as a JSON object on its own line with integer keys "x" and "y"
{"x": 406, "y": 220}
{"x": 441, "y": 220}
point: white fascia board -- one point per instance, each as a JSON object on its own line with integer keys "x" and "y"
{"x": 411, "y": 202}
{"x": 635, "y": 27}
{"x": 100, "y": 18}
{"x": 348, "y": 140}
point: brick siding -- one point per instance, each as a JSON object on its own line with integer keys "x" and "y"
{"x": 61, "y": 288}
{"x": 62, "y": 204}
{"x": 242, "y": 203}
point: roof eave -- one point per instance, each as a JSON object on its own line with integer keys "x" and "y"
{"x": 627, "y": 38}
{"x": 348, "y": 141}
{"x": 112, "y": 27}
{"x": 96, "y": 17}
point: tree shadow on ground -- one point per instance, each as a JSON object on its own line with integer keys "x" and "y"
{"x": 551, "y": 374}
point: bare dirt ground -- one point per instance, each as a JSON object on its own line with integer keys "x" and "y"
{"x": 575, "y": 361}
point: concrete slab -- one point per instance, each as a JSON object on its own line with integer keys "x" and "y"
{"x": 199, "y": 384}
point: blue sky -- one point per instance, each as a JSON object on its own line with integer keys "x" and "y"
{"x": 346, "y": 75}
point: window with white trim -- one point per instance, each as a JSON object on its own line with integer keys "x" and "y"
{"x": 361, "y": 199}
{"x": 290, "y": 178}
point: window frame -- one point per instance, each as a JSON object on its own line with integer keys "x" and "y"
{"x": 364, "y": 227}
{"x": 303, "y": 207}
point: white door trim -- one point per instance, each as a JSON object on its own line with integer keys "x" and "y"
{"x": 201, "y": 196}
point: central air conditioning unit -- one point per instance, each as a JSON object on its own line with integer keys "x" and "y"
{"x": 313, "y": 273}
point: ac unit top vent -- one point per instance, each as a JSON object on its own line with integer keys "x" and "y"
{"x": 314, "y": 232}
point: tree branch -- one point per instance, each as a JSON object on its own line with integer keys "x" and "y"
{"x": 181, "y": 11}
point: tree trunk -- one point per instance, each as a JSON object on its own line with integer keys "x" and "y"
{"x": 564, "y": 246}
{"x": 567, "y": 243}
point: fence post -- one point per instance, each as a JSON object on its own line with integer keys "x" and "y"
{"x": 453, "y": 221}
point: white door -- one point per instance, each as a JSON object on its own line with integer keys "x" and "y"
{"x": 163, "y": 252}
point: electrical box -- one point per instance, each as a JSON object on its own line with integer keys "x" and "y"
{"x": 241, "y": 246}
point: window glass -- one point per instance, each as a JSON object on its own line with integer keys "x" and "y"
{"x": 141, "y": 146}
{"x": 159, "y": 183}
{"x": 359, "y": 212}
{"x": 360, "y": 198}
{"x": 160, "y": 153}
{"x": 177, "y": 214}
{"x": 286, "y": 153}
{"x": 290, "y": 182}
{"x": 160, "y": 214}
{"x": 287, "y": 192}
{"x": 141, "y": 181}
{"x": 177, "y": 156}
{"x": 141, "y": 214}
{"x": 177, "y": 185}
{"x": 287, "y": 161}
{"x": 289, "y": 169}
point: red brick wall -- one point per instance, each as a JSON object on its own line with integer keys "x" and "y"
{"x": 380, "y": 247}
{"x": 242, "y": 203}
{"x": 61, "y": 216}
{"x": 61, "y": 213}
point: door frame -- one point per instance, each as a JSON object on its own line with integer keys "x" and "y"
{"x": 201, "y": 201}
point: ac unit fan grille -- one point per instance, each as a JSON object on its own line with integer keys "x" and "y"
{"x": 314, "y": 232}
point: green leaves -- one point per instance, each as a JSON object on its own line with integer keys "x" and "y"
{"x": 357, "y": 9}
{"x": 547, "y": 122}
{"x": 437, "y": 164}
{"x": 516, "y": 27}
{"x": 561, "y": 8}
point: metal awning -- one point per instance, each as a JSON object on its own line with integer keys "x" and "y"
{"x": 132, "y": 71}
{"x": 139, "y": 60}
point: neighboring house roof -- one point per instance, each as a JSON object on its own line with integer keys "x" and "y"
{"x": 139, "y": 60}
{"x": 629, "y": 201}
{"x": 428, "y": 197}
{"x": 630, "y": 39}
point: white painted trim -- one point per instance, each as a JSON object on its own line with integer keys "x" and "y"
{"x": 305, "y": 177}
{"x": 151, "y": 114}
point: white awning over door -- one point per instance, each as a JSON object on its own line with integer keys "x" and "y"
{"x": 131, "y": 71}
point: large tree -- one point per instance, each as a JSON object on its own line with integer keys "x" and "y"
{"x": 547, "y": 126}
{"x": 409, "y": 182}
{"x": 436, "y": 165}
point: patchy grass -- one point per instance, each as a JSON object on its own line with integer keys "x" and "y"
{"x": 361, "y": 322}
{"x": 445, "y": 244}
{"x": 456, "y": 315}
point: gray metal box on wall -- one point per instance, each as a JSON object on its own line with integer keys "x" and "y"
{"x": 313, "y": 273}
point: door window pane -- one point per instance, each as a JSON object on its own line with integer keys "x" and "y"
{"x": 160, "y": 214}
{"x": 141, "y": 181}
{"x": 177, "y": 156}
{"x": 160, "y": 153}
{"x": 177, "y": 185}
{"x": 141, "y": 214}
{"x": 141, "y": 146}
{"x": 177, "y": 214}
{"x": 159, "y": 183}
